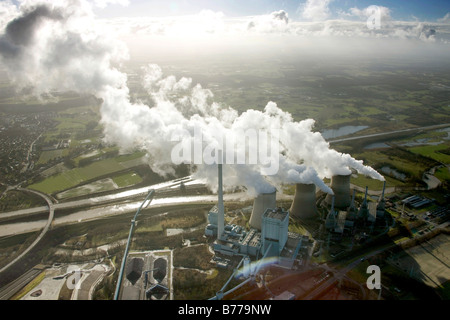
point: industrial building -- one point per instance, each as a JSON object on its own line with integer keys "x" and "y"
{"x": 348, "y": 220}
{"x": 268, "y": 235}
{"x": 416, "y": 201}
{"x": 274, "y": 233}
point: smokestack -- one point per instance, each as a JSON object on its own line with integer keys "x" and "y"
{"x": 352, "y": 209}
{"x": 262, "y": 202}
{"x": 364, "y": 210}
{"x": 352, "y": 204}
{"x": 332, "y": 205}
{"x": 381, "y": 203}
{"x": 341, "y": 187}
{"x": 221, "y": 210}
{"x": 304, "y": 204}
{"x": 365, "y": 195}
{"x": 330, "y": 222}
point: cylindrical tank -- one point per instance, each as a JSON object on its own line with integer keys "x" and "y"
{"x": 340, "y": 185}
{"x": 262, "y": 202}
{"x": 304, "y": 204}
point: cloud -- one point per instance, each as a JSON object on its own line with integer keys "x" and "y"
{"x": 50, "y": 42}
{"x": 445, "y": 19}
{"x": 315, "y": 10}
{"x": 8, "y": 11}
{"x": 383, "y": 12}
{"x": 210, "y": 28}
{"x": 104, "y": 3}
{"x": 275, "y": 22}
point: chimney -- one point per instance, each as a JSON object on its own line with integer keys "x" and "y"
{"x": 221, "y": 210}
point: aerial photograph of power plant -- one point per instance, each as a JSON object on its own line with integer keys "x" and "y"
{"x": 227, "y": 151}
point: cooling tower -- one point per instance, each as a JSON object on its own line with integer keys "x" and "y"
{"x": 341, "y": 188}
{"x": 261, "y": 203}
{"x": 304, "y": 204}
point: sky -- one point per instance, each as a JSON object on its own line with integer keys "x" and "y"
{"x": 401, "y": 9}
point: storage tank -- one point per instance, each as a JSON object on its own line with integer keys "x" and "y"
{"x": 304, "y": 204}
{"x": 262, "y": 202}
{"x": 340, "y": 184}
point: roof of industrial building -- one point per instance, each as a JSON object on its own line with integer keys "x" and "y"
{"x": 278, "y": 214}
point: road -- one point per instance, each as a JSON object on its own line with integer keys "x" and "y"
{"x": 42, "y": 234}
{"x": 30, "y": 150}
{"x": 11, "y": 288}
{"x": 100, "y": 211}
{"x": 94, "y": 201}
{"x": 440, "y": 126}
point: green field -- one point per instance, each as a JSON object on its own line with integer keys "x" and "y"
{"x": 433, "y": 152}
{"x": 443, "y": 174}
{"x": 127, "y": 179}
{"x": 47, "y": 156}
{"x": 74, "y": 177}
{"x": 94, "y": 187}
{"x": 373, "y": 184}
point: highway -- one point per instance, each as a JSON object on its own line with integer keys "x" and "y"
{"x": 434, "y": 127}
{"x": 96, "y": 201}
{"x": 42, "y": 234}
{"x": 11, "y": 288}
{"x": 51, "y": 207}
{"x": 108, "y": 210}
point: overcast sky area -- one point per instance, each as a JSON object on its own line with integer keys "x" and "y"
{"x": 314, "y": 27}
{"x": 401, "y": 10}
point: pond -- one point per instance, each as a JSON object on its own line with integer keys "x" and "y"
{"x": 397, "y": 175}
{"x": 377, "y": 145}
{"x": 342, "y": 131}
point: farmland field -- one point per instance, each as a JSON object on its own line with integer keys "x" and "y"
{"x": 74, "y": 177}
{"x": 434, "y": 152}
{"x": 97, "y": 186}
{"x": 127, "y": 179}
{"x": 46, "y": 156}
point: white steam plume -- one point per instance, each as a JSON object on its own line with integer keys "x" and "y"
{"x": 59, "y": 46}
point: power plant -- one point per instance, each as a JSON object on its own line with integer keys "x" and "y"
{"x": 268, "y": 235}
{"x": 333, "y": 216}
{"x": 269, "y": 224}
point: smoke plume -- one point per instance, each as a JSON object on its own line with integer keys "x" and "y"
{"x": 59, "y": 46}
